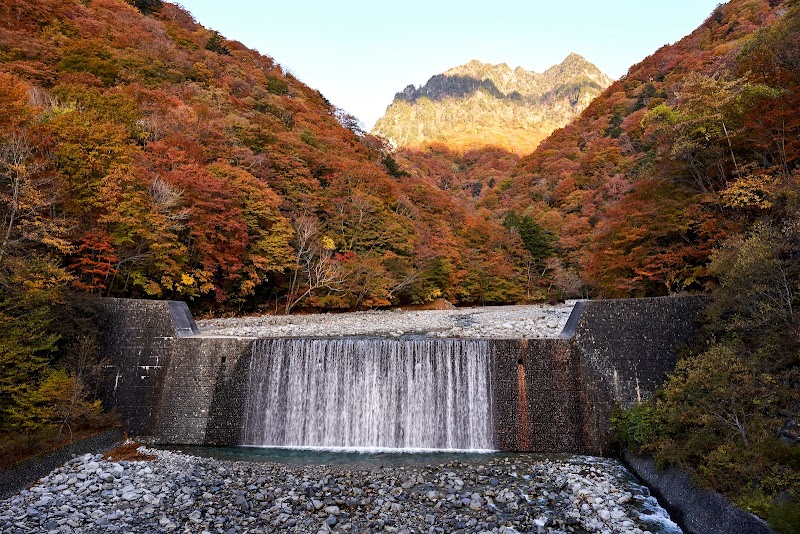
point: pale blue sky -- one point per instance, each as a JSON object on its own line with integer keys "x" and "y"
{"x": 359, "y": 53}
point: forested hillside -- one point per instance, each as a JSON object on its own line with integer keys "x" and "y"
{"x": 684, "y": 176}
{"x": 143, "y": 155}
{"x": 696, "y": 143}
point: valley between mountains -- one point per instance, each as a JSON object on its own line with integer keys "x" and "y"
{"x": 143, "y": 155}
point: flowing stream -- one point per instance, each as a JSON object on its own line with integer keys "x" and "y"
{"x": 370, "y": 393}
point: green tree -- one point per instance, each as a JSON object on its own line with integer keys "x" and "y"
{"x": 721, "y": 393}
{"x": 277, "y": 86}
{"x": 703, "y": 128}
{"x": 58, "y": 401}
{"x": 146, "y": 6}
{"x": 215, "y": 44}
{"x": 757, "y": 286}
{"x": 538, "y": 241}
{"x": 91, "y": 57}
{"x": 30, "y": 289}
{"x": 392, "y": 167}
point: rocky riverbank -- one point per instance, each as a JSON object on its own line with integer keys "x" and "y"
{"x": 181, "y": 493}
{"x": 519, "y": 322}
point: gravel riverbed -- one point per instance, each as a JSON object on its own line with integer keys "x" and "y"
{"x": 182, "y": 493}
{"x": 533, "y": 321}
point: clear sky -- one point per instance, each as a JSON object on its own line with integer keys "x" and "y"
{"x": 359, "y": 53}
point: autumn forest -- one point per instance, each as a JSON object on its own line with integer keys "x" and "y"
{"x": 143, "y": 155}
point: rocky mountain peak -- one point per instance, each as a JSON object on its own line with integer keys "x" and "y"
{"x": 478, "y": 104}
{"x": 576, "y": 65}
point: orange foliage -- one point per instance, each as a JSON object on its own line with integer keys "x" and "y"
{"x": 638, "y": 204}
{"x": 156, "y": 166}
{"x": 178, "y": 166}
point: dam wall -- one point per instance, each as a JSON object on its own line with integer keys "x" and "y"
{"x": 172, "y": 385}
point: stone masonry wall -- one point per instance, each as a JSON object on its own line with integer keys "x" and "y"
{"x": 612, "y": 352}
{"x": 169, "y": 384}
{"x": 626, "y": 349}
{"x": 204, "y": 402}
{"x": 24, "y": 474}
{"x": 697, "y": 510}
{"x": 538, "y": 397}
{"x": 172, "y": 386}
{"x": 138, "y": 345}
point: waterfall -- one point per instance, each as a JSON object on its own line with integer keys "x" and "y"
{"x": 370, "y": 393}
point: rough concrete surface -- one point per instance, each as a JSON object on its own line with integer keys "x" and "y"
{"x": 506, "y": 322}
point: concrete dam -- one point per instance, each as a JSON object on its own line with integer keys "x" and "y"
{"x": 172, "y": 385}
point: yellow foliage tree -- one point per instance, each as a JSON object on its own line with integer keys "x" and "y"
{"x": 59, "y": 400}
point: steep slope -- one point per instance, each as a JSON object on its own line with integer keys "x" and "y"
{"x": 478, "y": 104}
{"x": 473, "y": 178}
{"x": 695, "y": 143}
{"x": 684, "y": 176}
{"x": 158, "y": 159}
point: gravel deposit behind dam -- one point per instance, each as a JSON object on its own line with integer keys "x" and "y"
{"x": 181, "y": 493}
{"x": 534, "y": 321}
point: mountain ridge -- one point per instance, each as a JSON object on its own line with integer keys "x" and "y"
{"x": 476, "y": 101}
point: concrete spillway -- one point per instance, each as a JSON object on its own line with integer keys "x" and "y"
{"x": 370, "y": 393}
{"x": 171, "y": 384}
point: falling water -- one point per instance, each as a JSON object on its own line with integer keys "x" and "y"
{"x": 371, "y": 393}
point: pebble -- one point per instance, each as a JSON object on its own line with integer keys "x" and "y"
{"x": 505, "y": 494}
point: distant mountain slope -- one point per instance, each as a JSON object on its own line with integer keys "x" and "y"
{"x": 687, "y": 149}
{"x": 479, "y": 104}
